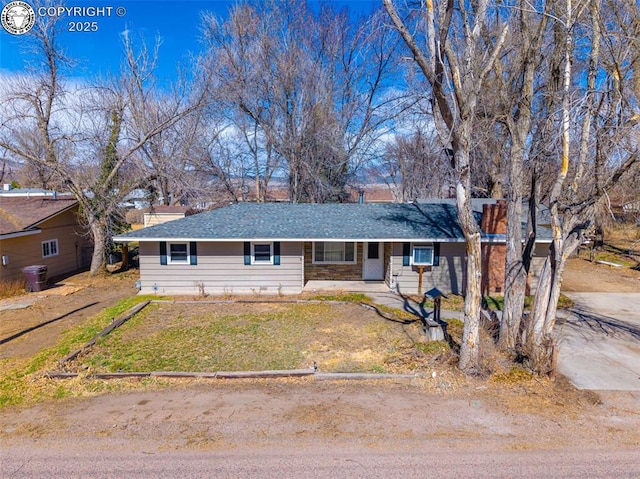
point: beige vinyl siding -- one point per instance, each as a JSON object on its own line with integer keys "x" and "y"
{"x": 151, "y": 219}
{"x": 27, "y": 250}
{"x": 221, "y": 270}
{"x": 448, "y": 277}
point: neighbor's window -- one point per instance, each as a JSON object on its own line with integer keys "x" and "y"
{"x": 423, "y": 255}
{"x": 332, "y": 252}
{"x": 50, "y": 248}
{"x": 178, "y": 253}
{"x": 262, "y": 253}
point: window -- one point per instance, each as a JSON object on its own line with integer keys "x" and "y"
{"x": 373, "y": 250}
{"x": 178, "y": 253}
{"x": 331, "y": 252}
{"x": 423, "y": 255}
{"x": 50, "y": 248}
{"x": 261, "y": 253}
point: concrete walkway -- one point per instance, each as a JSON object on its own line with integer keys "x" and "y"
{"x": 599, "y": 341}
{"x": 393, "y": 300}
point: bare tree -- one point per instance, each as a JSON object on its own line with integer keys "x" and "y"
{"x": 90, "y": 138}
{"x": 456, "y": 61}
{"x": 605, "y": 122}
{"x": 416, "y": 167}
{"x": 517, "y": 73}
{"x": 313, "y": 89}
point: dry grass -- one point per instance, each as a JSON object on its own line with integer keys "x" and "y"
{"x": 259, "y": 336}
{"x": 9, "y": 289}
{"x": 262, "y": 335}
{"x": 622, "y": 234}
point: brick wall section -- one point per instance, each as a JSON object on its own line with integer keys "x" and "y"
{"x": 337, "y": 272}
{"x": 494, "y": 221}
{"x": 493, "y": 263}
{"x": 494, "y": 218}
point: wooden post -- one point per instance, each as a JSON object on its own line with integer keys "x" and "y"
{"x": 420, "y": 271}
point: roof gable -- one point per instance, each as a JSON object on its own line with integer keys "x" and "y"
{"x": 20, "y": 213}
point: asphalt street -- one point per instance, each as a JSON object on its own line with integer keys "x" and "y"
{"x": 324, "y": 462}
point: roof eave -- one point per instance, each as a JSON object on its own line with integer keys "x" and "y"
{"x": 121, "y": 239}
{"x": 18, "y": 234}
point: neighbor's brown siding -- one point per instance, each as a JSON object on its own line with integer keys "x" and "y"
{"x": 336, "y": 272}
{"x": 27, "y": 250}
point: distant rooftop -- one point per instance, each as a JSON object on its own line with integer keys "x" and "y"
{"x": 8, "y": 191}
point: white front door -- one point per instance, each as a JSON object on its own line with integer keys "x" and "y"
{"x": 373, "y": 264}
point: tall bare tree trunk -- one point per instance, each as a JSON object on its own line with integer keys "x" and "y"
{"x": 98, "y": 233}
{"x": 539, "y": 341}
{"x": 518, "y": 256}
{"x": 470, "y": 348}
{"x": 456, "y": 76}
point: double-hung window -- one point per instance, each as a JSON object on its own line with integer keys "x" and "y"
{"x": 334, "y": 252}
{"x": 178, "y": 253}
{"x": 50, "y": 248}
{"x": 261, "y": 253}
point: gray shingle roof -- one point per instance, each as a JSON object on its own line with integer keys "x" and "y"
{"x": 427, "y": 221}
{"x": 288, "y": 221}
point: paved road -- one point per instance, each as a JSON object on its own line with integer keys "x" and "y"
{"x": 599, "y": 341}
{"x": 324, "y": 462}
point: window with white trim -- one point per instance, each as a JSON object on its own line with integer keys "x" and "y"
{"x": 50, "y": 248}
{"x": 334, "y": 252}
{"x": 178, "y": 253}
{"x": 261, "y": 253}
{"x": 422, "y": 255}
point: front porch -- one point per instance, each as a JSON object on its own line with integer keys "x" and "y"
{"x": 350, "y": 286}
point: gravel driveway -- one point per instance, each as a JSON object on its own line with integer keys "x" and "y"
{"x": 599, "y": 341}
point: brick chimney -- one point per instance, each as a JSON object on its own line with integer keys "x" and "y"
{"x": 494, "y": 222}
{"x": 494, "y": 218}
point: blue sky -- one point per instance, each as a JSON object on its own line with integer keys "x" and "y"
{"x": 99, "y": 52}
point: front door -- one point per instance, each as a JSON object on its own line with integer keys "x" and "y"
{"x": 373, "y": 264}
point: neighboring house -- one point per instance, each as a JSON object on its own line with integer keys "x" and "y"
{"x": 279, "y": 247}
{"x": 41, "y": 230}
{"x": 161, "y": 214}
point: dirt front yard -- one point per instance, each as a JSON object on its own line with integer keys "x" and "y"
{"x": 582, "y": 275}
{"x": 439, "y": 409}
{"x": 226, "y": 415}
{"x": 35, "y": 321}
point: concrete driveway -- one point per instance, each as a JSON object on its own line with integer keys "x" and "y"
{"x": 599, "y": 341}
